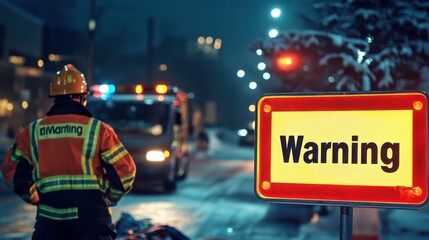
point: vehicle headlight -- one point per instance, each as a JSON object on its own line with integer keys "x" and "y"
{"x": 157, "y": 155}
{"x": 242, "y": 132}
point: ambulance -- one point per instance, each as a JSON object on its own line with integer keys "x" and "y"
{"x": 153, "y": 124}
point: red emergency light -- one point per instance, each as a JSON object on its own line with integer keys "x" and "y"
{"x": 102, "y": 90}
{"x": 287, "y": 61}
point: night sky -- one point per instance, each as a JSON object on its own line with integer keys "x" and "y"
{"x": 238, "y": 23}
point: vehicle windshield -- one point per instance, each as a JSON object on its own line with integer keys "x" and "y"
{"x": 133, "y": 117}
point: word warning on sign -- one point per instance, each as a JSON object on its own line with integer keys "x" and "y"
{"x": 358, "y": 149}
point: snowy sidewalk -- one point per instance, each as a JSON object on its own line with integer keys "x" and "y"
{"x": 404, "y": 224}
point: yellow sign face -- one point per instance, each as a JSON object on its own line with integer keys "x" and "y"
{"x": 356, "y": 148}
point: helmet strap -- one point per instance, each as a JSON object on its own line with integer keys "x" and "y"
{"x": 83, "y": 100}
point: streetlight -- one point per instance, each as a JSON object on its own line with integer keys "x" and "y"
{"x": 253, "y": 85}
{"x": 273, "y": 33}
{"x": 91, "y": 29}
{"x": 261, "y": 66}
{"x": 95, "y": 13}
{"x": 252, "y": 108}
{"x": 266, "y": 75}
{"x": 241, "y": 73}
{"x": 276, "y": 12}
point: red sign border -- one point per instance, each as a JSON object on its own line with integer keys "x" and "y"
{"x": 361, "y": 196}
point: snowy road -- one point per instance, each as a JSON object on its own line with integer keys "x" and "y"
{"x": 217, "y": 201}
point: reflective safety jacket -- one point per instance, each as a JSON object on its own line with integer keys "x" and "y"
{"x": 72, "y": 166}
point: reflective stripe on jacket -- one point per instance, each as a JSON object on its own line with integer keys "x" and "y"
{"x": 77, "y": 164}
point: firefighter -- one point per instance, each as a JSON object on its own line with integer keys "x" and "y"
{"x": 70, "y": 165}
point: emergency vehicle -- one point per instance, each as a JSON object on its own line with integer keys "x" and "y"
{"x": 153, "y": 124}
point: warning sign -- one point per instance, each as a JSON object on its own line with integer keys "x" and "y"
{"x": 352, "y": 149}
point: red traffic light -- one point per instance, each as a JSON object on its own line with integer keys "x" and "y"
{"x": 286, "y": 61}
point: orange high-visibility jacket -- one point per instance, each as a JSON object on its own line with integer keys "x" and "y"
{"x": 73, "y": 167}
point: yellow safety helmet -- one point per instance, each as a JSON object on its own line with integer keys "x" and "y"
{"x": 68, "y": 81}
